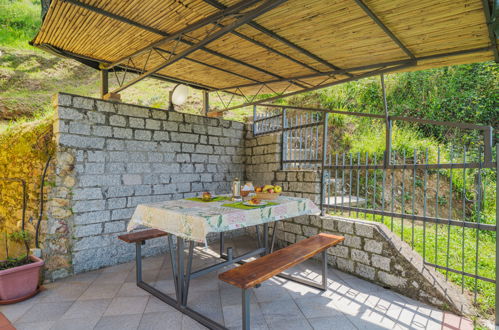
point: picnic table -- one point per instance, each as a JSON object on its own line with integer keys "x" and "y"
{"x": 192, "y": 219}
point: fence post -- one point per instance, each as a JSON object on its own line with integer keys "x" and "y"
{"x": 497, "y": 231}
{"x": 254, "y": 120}
{"x": 323, "y": 163}
{"x": 283, "y": 138}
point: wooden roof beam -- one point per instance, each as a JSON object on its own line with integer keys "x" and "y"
{"x": 375, "y": 18}
{"x": 165, "y": 34}
{"x": 490, "y": 27}
{"x": 213, "y": 66}
{"x": 243, "y": 19}
{"x": 274, "y": 35}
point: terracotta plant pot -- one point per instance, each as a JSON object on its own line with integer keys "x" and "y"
{"x": 21, "y": 281}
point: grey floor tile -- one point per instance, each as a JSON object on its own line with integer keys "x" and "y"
{"x": 87, "y": 323}
{"x": 126, "y": 306}
{"x": 88, "y": 277}
{"x": 233, "y": 296}
{"x": 190, "y": 324}
{"x": 121, "y": 322}
{"x": 15, "y": 311}
{"x": 207, "y": 303}
{"x": 101, "y": 291}
{"x": 233, "y": 316}
{"x": 46, "y": 311}
{"x": 161, "y": 321}
{"x": 130, "y": 289}
{"x": 41, "y": 325}
{"x": 317, "y": 307}
{"x": 155, "y": 305}
{"x": 300, "y": 324}
{"x": 87, "y": 309}
{"x": 126, "y": 267}
{"x": 338, "y": 322}
{"x": 165, "y": 286}
{"x": 65, "y": 292}
{"x": 271, "y": 293}
{"x": 281, "y": 310}
{"x": 112, "y": 278}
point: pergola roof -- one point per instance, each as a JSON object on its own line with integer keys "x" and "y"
{"x": 252, "y": 46}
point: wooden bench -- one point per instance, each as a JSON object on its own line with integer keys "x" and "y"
{"x": 142, "y": 236}
{"x": 139, "y": 239}
{"x": 255, "y": 272}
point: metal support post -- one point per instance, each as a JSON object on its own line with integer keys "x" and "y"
{"x": 323, "y": 163}
{"x": 230, "y": 254}
{"x": 488, "y": 144}
{"x": 388, "y": 125}
{"x": 254, "y": 120}
{"x": 283, "y": 138}
{"x": 206, "y": 103}
{"x": 246, "y": 309}
{"x": 266, "y": 238}
{"x": 497, "y": 231}
{"x": 104, "y": 88}
{"x": 188, "y": 273}
{"x": 180, "y": 269}
{"x": 324, "y": 269}
{"x": 222, "y": 244}
{"x": 138, "y": 262}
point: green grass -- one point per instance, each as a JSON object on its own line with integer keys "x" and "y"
{"x": 19, "y": 22}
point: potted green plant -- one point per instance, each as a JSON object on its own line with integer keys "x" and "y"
{"x": 19, "y": 276}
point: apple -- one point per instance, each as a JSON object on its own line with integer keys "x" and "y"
{"x": 277, "y": 189}
{"x": 271, "y": 191}
{"x": 206, "y": 196}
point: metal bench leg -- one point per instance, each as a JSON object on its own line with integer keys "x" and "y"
{"x": 324, "y": 270}
{"x": 138, "y": 261}
{"x": 246, "y": 309}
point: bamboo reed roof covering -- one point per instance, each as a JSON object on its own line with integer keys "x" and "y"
{"x": 250, "y": 47}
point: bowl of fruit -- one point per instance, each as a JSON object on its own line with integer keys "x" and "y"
{"x": 268, "y": 192}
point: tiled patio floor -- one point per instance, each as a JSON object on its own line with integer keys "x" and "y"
{"x": 109, "y": 299}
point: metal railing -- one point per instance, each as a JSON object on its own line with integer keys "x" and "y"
{"x": 442, "y": 202}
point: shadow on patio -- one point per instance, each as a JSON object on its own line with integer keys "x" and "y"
{"x": 109, "y": 299}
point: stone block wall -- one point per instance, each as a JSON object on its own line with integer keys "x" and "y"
{"x": 112, "y": 157}
{"x": 371, "y": 251}
{"x": 263, "y": 157}
{"x": 302, "y": 183}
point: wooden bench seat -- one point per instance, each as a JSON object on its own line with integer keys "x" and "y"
{"x": 141, "y": 236}
{"x": 255, "y": 272}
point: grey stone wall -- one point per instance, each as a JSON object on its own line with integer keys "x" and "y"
{"x": 263, "y": 157}
{"x": 113, "y": 156}
{"x": 371, "y": 251}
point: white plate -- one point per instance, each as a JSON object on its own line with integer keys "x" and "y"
{"x": 262, "y": 203}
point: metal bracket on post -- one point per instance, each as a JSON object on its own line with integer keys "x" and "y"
{"x": 323, "y": 164}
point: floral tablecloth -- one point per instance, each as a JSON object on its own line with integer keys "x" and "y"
{"x": 193, "y": 220}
